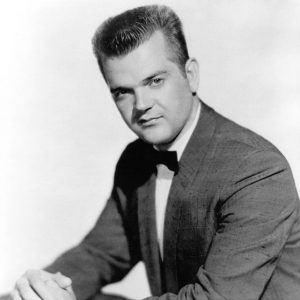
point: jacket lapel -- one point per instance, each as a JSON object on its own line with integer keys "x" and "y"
{"x": 189, "y": 165}
{"x": 148, "y": 234}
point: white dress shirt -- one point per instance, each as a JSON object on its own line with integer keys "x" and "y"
{"x": 164, "y": 180}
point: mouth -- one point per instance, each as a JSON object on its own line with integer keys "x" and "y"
{"x": 148, "y": 121}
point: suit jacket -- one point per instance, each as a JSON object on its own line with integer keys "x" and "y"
{"x": 232, "y": 227}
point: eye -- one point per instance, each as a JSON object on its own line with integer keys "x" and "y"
{"x": 156, "y": 82}
{"x": 119, "y": 93}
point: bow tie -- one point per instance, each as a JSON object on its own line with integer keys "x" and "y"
{"x": 167, "y": 158}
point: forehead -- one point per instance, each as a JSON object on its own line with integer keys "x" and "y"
{"x": 151, "y": 56}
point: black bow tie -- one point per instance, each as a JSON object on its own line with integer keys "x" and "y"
{"x": 167, "y": 158}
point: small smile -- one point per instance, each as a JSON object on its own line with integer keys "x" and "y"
{"x": 148, "y": 121}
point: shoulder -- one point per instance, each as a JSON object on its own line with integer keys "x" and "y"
{"x": 240, "y": 157}
{"x": 229, "y": 132}
{"x": 257, "y": 171}
{"x": 235, "y": 143}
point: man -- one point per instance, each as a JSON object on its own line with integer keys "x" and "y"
{"x": 223, "y": 223}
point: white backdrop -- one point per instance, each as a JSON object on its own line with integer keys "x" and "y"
{"x": 61, "y": 135}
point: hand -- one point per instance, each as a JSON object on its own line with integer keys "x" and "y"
{"x": 58, "y": 293}
{"x": 37, "y": 285}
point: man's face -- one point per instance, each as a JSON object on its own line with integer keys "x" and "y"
{"x": 152, "y": 94}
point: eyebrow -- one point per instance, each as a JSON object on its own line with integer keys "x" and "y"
{"x": 144, "y": 82}
{"x": 119, "y": 88}
{"x": 149, "y": 78}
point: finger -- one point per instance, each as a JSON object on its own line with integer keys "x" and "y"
{"x": 25, "y": 290}
{"x": 15, "y": 295}
{"x": 54, "y": 285}
{"x": 35, "y": 279}
{"x": 62, "y": 280}
{"x": 60, "y": 293}
{"x": 51, "y": 283}
{"x": 71, "y": 292}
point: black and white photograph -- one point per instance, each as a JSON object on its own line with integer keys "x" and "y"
{"x": 150, "y": 149}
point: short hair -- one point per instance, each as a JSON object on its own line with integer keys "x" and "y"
{"x": 121, "y": 34}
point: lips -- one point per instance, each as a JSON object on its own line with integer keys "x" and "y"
{"x": 148, "y": 121}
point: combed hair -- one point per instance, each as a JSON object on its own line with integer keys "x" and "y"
{"x": 121, "y": 34}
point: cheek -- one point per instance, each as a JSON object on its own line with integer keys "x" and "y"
{"x": 178, "y": 90}
{"x": 126, "y": 111}
{"x": 178, "y": 102}
{"x": 179, "y": 107}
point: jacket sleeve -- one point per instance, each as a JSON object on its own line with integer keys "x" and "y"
{"x": 109, "y": 250}
{"x": 256, "y": 212}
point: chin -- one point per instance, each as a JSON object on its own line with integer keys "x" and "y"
{"x": 156, "y": 140}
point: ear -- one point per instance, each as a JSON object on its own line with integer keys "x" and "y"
{"x": 192, "y": 73}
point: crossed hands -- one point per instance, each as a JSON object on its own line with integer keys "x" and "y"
{"x": 42, "y": 285}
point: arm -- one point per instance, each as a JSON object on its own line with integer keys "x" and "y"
{"x": 105, "y": 255}
{"x": 257, "y": 210}
{"x": 111, "y": 248}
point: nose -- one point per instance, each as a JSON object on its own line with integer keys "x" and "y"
{"x": 142, "y": 100}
